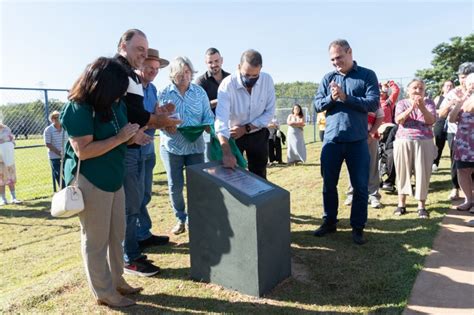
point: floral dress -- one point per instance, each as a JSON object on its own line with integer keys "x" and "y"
{"x": 464, "y": 141}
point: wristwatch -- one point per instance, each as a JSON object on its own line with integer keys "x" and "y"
{"x": 247, "y": 128}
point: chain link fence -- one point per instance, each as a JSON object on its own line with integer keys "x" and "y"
{"x": 25, "y": 111}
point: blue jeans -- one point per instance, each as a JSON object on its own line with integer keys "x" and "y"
{"x": 174, "y": 165}
{"x": 56, "y": 169}
{"x": 133, "y": 185}
{"x": 356, "y": 155}
{"x": 144, "y": 221}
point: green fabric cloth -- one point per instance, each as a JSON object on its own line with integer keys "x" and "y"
{"x": 192, "y": 133}
{"x": 107, "y": 171}
{"x": 216, "y": 150}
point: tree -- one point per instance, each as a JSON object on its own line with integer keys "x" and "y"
{"x": 447, "y": 58}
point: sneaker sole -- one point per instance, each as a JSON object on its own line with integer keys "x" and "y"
{"x": 139, "y": 273}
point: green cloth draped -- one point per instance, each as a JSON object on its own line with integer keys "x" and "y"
{"x": 192, "y": 133}
{"x": 216, "y": 150}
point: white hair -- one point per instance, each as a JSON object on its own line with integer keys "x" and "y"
{"x": 177, "y": 67}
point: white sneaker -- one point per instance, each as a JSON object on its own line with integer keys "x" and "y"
{"x": 179, "y": 228}
{"x": 375, "y": 203}
{"x": 470, "y": 223}
{"x": 454, "y": 194}
{"x": 16, "y": 201}
{"x": 3, "y": 202}
{"x": 434, "y": 168}
{"x": 348, "y": 200}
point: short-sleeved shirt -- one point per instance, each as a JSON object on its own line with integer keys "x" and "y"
{"x": 414, "y": 127}
{"x": 194, "y": 110}
{"x": 106, "y": 172}
{"x": 54, "y": 137}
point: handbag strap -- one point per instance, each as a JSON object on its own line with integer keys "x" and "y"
{"x": 61, "y": 177}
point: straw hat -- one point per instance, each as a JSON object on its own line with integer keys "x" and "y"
{"x": 154, "y": 54}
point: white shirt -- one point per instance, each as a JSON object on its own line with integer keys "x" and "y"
{"x": 236, "y": 107}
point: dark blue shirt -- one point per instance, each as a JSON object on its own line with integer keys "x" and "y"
{"x": 347, "y": 121}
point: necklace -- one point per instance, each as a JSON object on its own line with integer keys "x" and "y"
{"x": 115, "y": 122}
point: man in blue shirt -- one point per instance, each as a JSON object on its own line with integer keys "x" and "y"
{"x": 347, "y": 95}
{"x": 148, "y": 72}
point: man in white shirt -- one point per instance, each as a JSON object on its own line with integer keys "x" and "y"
{"x": 246, "y": 106}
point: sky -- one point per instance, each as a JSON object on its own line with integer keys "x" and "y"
{"x": 49, "y": 43}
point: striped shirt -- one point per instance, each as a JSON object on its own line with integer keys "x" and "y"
{"x": 194, "y": 110}
{"x": 53, "y": 136}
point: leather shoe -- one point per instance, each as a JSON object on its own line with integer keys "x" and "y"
{"x": 120, "y": 302}
{"x": 128, "y": 290}
{"x": 154, "y": 240}
{"x": 358, "y": 236}
{"x": 325, "y": 229}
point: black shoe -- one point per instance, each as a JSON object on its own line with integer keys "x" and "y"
{"x": 400, "y": 211}
{"x": 358, "y": 236}
{"x": 325, "y": 229}
{"x": 154, "y": 240}
{"x": 141, "y": 267}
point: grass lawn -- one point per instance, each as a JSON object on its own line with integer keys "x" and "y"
{"x": 41, "y": 269}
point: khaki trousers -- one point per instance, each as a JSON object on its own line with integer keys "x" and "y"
{"x": 102, "y": 234}
{"x": 413, "y": 156}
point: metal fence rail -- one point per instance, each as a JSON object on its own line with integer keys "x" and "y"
{"x": 25, "y": 111}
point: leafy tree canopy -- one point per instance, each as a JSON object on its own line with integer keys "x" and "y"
{"x": 447, "y": 58}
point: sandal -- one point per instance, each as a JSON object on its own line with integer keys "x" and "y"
{"x": 423, "y": 214}
{"x": 400, "y": 211}
{"x": 464, "y": 207}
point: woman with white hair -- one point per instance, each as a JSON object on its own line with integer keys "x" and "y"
{"x": 463, "y": 115}
{"x": 183, "y": 146}
{"x": 414, "y": 150}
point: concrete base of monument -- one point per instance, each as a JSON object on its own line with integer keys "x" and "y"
{"x": 239, "y": 229}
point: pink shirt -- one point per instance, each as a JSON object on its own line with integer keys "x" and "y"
{"x": 414, "y": 127}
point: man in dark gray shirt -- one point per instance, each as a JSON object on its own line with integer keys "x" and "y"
{"x": 210, "y": 81}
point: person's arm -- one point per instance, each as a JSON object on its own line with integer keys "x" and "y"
{"x": 375, "y": 127}
{"x": 428, "y": 116}
{"x": 213, "y": 103}
{"x": 453, "y": 115}
{"x": 263, "y": 119}
{"x": 395, "y": 93}
{"x": 221, "y": 123}
{"x": 322, "y": 99}
{"x": 402, "y": 114}
{"x": 86, "y": 148}
{"x": 370, "y": 102}
{"x": 48, "y": 139}
{"x": 53, "y": 149}
{"x": 228, "y": 159}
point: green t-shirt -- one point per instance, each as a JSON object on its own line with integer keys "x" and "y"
{"x": 106, "y": 172}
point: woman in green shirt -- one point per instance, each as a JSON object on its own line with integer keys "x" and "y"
{"x": 95, "y": 119}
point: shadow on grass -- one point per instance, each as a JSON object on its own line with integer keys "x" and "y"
{"x": 342, "y": 273}
{"x": 331, "y": 272}
{"x": 32, "y": 209}
{"x": 164, "y": 303}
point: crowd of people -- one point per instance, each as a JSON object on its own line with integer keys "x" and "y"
{"x": 114, "y": 109}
